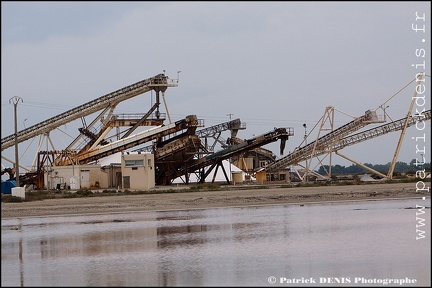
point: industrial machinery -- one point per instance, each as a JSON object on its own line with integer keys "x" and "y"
{"x": 179, "y": 147}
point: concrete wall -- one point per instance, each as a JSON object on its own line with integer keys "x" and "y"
{"x": 140, "y": 175}
{"x": 138, "y": 171}
{"x": 86, "y": 176}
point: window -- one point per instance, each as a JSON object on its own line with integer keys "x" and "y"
{"x": 131, "y": 163}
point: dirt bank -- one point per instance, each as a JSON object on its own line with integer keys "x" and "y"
{"x": 184, "y": 199}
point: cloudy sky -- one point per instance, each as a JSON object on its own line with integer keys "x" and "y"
{"x": 271, "y": 64}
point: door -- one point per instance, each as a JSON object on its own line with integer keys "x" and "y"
{"x": 85, "y": 179}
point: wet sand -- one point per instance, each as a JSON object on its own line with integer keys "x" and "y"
{"x": 185, "y": 199}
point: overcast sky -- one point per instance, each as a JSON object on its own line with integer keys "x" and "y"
{"x": 271, "y": 64}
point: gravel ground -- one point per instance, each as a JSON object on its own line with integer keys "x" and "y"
{"x": 184, "y": 199}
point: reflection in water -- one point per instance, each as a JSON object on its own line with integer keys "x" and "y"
{"x": 219, "y": 247}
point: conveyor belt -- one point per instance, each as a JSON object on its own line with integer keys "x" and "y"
{"x": 157, "y": 82}
{"x": 215, "y": 158}
{"x": 337, "y": 144}
{"x": 320, "y": 143}
{"x": 190, "y": 122}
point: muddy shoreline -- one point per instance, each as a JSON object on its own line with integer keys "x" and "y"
{"x": 185, "y": 199}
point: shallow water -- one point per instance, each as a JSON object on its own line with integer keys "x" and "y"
{"x": 328, "y": 244}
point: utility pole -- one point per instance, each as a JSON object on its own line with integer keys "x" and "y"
{"x": 15, "y": 101}
{"x": 305, "y": 135}
{"x": 229, "y": 160}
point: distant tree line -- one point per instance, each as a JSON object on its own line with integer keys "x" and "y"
{"x": 400, "y": 167}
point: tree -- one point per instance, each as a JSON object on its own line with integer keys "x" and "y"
{"x": 400, "y": 167}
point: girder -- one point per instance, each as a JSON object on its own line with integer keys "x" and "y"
{"x": 215, "y": 132}
{"x": 305, "y": 152}
{"x": 215, "y": 158}
{"x": 158, "y": 82}
{"x": 322, "y": 142}
{"x": 190, "y": 122}
{"x": 380, "y": 130}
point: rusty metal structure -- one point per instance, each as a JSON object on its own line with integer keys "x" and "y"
{"x": 106, "y": 104}
{"x": 339, "y": 138}
{"x": 324, "y": 146}
{"x": 205, "y": 165}
{"x": 178, "y": 147}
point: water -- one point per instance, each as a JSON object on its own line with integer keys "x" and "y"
{"x": 330, "y": 244}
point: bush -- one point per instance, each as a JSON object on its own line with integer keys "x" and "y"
{"x": 109, "y": 191}
{"x": 84, "y": 192}
{"x": 11, "y": 199}
{"x": 205, "y": 187}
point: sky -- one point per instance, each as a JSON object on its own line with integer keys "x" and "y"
{"x": 270, "y": 64}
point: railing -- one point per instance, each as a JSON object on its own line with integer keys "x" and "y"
{"x": 153, "y": 116}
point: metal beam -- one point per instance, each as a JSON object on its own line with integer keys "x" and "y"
{"x": 158, "y": 82}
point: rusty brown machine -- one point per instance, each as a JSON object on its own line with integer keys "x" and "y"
{"x": 194, "y": 153}
{"x": 203, "y": 166}
{"x": 91, "y": 144}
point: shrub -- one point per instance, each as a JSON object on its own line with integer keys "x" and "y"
{"x": 11, "y": 199}
{"x": 84, "y": 192}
